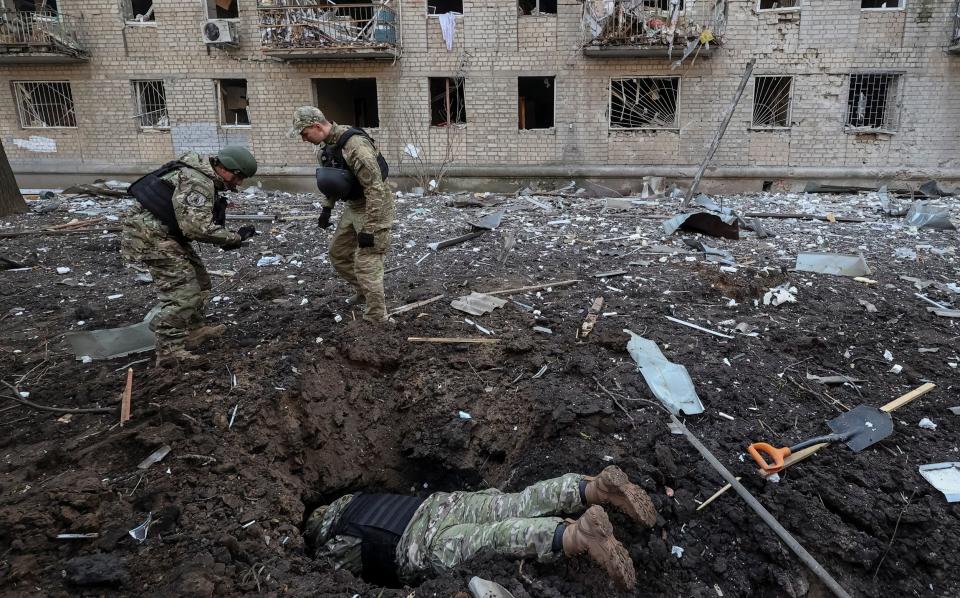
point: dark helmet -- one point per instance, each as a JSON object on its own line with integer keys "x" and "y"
{"x": 336, "y": 183}
{"x": 238, "y": 159}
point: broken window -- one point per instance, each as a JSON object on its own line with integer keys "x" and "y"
{"x": 771, "y": 102}
{"x": 447, "y": 104}
{"x": 872, "y": 101}
{"x": 223, "y": 9}
{"x": 45, "y": 104}
{"x": 537, "y": 7}
{"x": 41, "y": 6}
{"x": 138, "y": 11}
{"x": 439, "y": 7}
{"x": 881, "y": 4}
{"x": 233, "y": 102}
{"x": 778, "y": 4}
{"x": 536, "y": 96}
{"x": 151, "y": 104}
{"x": 644, "y": 103}
{"x": 349, "y": 101}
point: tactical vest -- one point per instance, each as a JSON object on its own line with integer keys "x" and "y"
{"x": 155, "y": 194}
{"x": 378, "y": 520}
{"x": 332, "y": 157}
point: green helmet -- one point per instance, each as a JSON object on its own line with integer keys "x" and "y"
{"x": 238, "y": 159}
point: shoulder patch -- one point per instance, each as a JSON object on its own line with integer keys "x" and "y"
{"x": 195, "y": 199}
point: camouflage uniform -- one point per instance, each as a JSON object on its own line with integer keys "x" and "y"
{"x": 181, "y": 279}
{"x": 362, "y": 267}
{"x": 449, "y": 528}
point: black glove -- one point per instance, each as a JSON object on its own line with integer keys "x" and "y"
{"x": 324, "y": 220}
{"x": 365, "y": 240}
{"x": 246, "y": 232}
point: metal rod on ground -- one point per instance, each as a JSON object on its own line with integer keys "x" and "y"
{"x": 723, "y": 127}
{"x": 769, "y": 519}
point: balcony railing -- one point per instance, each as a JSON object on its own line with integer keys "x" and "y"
{"x": 39, "y": 37}
{"x": 651, "y": 27}
{"x": 326, "y": 31}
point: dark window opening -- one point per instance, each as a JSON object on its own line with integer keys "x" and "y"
{"x": 771, "y": 102}
{"x": 644, "y": 103}
{"x": 778, "y": 4}
{"x": 881, "y": 4}
{"x": 439, "y": 7}
{"x": 41, "y": 6}
{"x": 139, "y": 10}
{"x": 538, "y": 7}
{"x": 536, "y": 97}
{"x": 661, "y": 4}
{"x": 447, "y": 104}
{"x": 234, "y": 102}
{"x": 223, "y": 9}
{"x": 871, "y": 103}
{"x": 349, "y": 101}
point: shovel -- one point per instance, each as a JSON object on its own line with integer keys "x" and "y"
{"x": 858, "y": 429}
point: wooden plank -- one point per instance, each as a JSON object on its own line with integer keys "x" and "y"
{"x": 410, "y": 306}
{"x": 125, "y": 398}
{"x": 449, "y": 340}
{"x": 537, "y": 287}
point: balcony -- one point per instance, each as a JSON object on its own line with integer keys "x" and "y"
{"x": 320, "y": 30}
{"x": 652, "y": 28}
{"x": 955, "y": 38}
{"x": 39, "y": 37}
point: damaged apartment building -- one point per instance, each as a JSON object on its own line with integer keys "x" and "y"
{"x": 850, "y": 90}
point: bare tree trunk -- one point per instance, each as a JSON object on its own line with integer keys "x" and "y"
{"x": 11, "y": 202}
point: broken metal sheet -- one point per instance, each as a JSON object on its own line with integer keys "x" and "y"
{"x": 945, "y": 477}
{"x": 154, "y": 457}
{"x": 832, "y": 263}
{"x": 945, "y": 313}
{"x": 477, "y": 304}
{"x": 924, "y": 215}
{"x": 932, "y": 189}
{"x": 890, "y": 208}
{"x": 713, "y": 254}
{"x": 490, "y": 221}
{"x": 715, "y": 225}
{"x": 668, "y": 381}
{"x": 834, "y": 379}
{"x": 114, "y": 342}
{"x": 609, "y": 274}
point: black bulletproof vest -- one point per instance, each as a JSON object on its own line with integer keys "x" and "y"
{"x": 332, "y": 157}
{"x": 378, "y": 520}
{"x": 155, "y": 194}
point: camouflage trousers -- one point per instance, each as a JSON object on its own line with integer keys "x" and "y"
{"x": 449, "y": 528}
{"x": 183, "y": 284}
{"x": 362, "y": 267}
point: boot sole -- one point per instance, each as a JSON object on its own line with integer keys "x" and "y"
{"x": 636, "y": 503}
{"x": 607, "y": 551}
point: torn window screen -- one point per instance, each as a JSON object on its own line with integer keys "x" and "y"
{"x": 881, "y": 4}
{"x": 447, "y": 104}
{"x": 536, "y": 98}
{"x": 644, "y": 103}
{"x": 439, "y": 7}
{"x": 537, "y": 7}
{"x": 223, "y": 9}
{"x": 777, "y": 4}
{"x": 151, "y": 104}
{"x": 771, "y": 102}
{"x": 233, "y": 102}
{"x": 45, "y": 104}
{"x": 349, "y": 101}
{"x": 872, "y": 101}
{"x": 140, "y": 11}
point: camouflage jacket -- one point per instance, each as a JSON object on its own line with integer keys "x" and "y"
{"x": 193, "y": 200}
{"x": 361, "y": 156}
{"x": 342, "y": 551}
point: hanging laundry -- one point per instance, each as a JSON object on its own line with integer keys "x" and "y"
{"x": 448, "y": 26}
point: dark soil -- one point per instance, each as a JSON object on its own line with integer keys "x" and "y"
{"x": 321, "y": 407}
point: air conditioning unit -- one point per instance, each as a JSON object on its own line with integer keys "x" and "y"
{"x": 220, "y": 32}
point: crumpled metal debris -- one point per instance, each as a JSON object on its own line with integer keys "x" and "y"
{"x": 715, "y": 225}
{"x": 490, "y": 221}
{"x": 945, "y": 477}
{"x": 477, "y": 304}
{"x": 668, "y": 381}
{"x": 832, "y": 263}
{"x": 780, "y": 294}
{"x": 113, "y": 342}
{"x": 923, "y": 214}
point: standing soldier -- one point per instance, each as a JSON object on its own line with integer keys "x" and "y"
{"x": 354, "y": 171}
{"x": 176, "y": 204}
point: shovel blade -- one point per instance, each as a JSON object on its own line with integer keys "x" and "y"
{"x": 866, "y": 425}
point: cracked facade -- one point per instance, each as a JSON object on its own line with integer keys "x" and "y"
{"x": 548, "y": 88}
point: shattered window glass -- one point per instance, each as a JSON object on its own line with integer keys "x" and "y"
{"x": 644, "y": 103}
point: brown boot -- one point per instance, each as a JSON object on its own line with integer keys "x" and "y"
{"x": 199, "y": 336}
{"x": 614, "y": 488}
{"x": 593, "y": 534}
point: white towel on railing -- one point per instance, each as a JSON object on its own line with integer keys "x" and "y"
{"x": 448, "y": 26}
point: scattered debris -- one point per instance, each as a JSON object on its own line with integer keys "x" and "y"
{"x": 125, "y": 398}
{"x": 676, "y": 551}
{"x": 449, "y": 340}
{"x": 536, "y": 287}
{"x": 542, "y": 330}
{"x": 715, "y": 225}
{"x": 832, "y": 263}
{"x": 415, "y": 305}
{"x": 269, "y": 260}
{"x": 778, "y": 295}
{"x": 609, "y": 274}
{"x": 668, "y": 381}
{"x": 490, "y": 221}
{"x": 155, "y": 457}
{"x": 464, "y": 415}
{"x": 437, "y": 246}
{"x": 139, "y": 533}
{"x": 594, "y": 312}
{"x": 831, "y": 380}
{"x": 477, "y": 304}
{"x": 945, "y": 477}
{"x": 927, "y": 424}
{"x": 113, "y": 342}
{"x": 700, "y": 328}
{"x": 870, "y": 307}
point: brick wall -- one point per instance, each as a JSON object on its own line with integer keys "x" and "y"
{"x": 819, "y": 46}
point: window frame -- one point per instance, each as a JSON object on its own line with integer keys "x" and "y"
{"x": 426, "y": 8}
{"x": 902, "y": 6}
{"x": 220, "y": 114}
{"x": 553, "y": 87}
{"x": 136, "y": 83}
{"x": 897, "y": 105}
{"x": 520, "y": 14}
{"x": 753, "y": 108}
{"x": 17, "y": 99}
{"x": 674, "y": 128}
{"x": 463, "y": 93}
{"x": 205, "y": 6}
{"x": 129, "y": 18}
{"x": 796, "y": 8}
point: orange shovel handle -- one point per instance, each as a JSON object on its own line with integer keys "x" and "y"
{"x": 777, "y": 454}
